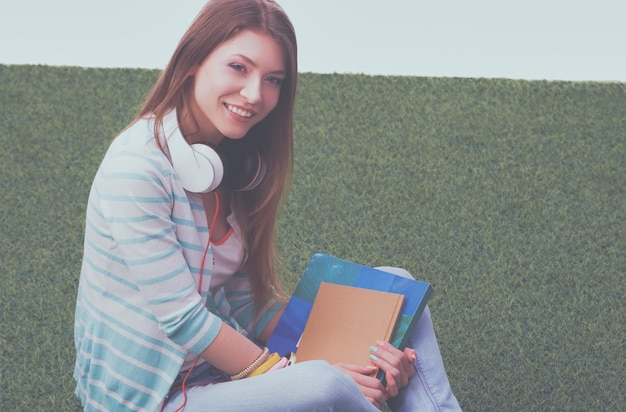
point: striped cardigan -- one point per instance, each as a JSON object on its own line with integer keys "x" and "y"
{"x": 139, "y": 316}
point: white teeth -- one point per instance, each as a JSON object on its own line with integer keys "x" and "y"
{"x": 238, "y": 111}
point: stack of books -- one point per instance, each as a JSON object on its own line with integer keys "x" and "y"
{"x": 339, "y": 309}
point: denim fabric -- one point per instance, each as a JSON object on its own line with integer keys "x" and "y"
{"x": 308, "y": 386}
{"x": 429, "y": 389}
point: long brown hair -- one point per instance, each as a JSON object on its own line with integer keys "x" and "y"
{"x": 257, "y": 210}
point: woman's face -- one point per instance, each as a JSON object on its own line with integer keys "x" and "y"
{"x": 237, "y": 85}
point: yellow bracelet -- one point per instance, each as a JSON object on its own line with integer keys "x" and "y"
{"x": 250, "y": 368}
{"x": 271, "y": 361}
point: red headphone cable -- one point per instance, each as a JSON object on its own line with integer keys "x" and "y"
{"x": 184, "y": 384}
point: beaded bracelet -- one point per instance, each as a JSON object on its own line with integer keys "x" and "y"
{"x": 265, "y": 366}
{"x": 250, "y": 368}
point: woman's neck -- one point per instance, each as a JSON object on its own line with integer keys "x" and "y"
{"x": 196, "y": 131}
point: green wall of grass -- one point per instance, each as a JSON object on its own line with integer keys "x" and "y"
{"x": 507, "y": 195}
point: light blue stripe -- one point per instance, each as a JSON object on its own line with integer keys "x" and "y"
{"x": 110, "y": 275}
{"x": 195, "y": 206}
{"x": 203, "y": 343}
{"x": 154, "y": 341}
{"x": 244, "y": 315}
{"x": 238, "y": 295}
{"x": 91, "y": 207}
{"x": 147, "y": 238}
{"x": 182, "y": 199}
{"x": 114, "y": 298}
{"x": 187, "y": 328}
{"x": 129, "y": 176}
{"x": 97, "y": 374}
{"x": 183, "y": 222}
{"x": 102, "y": 252}
{"x": 125, "y": 219}
{"x": 173, "y": 296}
{"x": 131, "y": 349}
{"x": 164, "y": 278}
{"x": 266, "y": 318}
{"x": 139, "y": 156}
{"x": 98, "y": 395}
{"x": 155, "y": 258}
{"x": 97, "y": 230}
{"x": 127, "y": 369}
{"x": 134, "y": 199}
{"x": 192, "y": 246}
{"x": 183, "y": 329}
{"x": 194, "y": 269}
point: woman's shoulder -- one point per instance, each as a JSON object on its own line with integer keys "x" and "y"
{"x": 138, "y": 136}
{"x": 134, "y": 156}
{"x": 136, "y": 146}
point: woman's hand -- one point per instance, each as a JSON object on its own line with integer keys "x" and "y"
{"x": 397, "y": 365}
{"x": 370, "y": 386}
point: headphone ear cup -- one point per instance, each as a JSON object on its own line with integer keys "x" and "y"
{"x": 244, "y": 169}
{"x": 198, "y": 166}
{"x": 210, "y": 172}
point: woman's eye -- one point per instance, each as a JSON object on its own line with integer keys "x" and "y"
{"x": 238, "y": 67}
{"x": 275, "y": 80}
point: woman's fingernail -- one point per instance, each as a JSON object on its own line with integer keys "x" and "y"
{"x": 373, "y": 357}
{"x": 373, "y": 348}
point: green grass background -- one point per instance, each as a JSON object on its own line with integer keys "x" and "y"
{"x": 507, "y": 195}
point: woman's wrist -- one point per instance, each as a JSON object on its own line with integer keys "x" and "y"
{"x": 271, "y": 360}
{"x": 250, "y": 368}
{"x": 266, "y": 362}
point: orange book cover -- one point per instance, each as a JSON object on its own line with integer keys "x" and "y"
{"x": 345, "y": 321}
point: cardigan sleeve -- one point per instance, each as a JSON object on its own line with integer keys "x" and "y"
{"x": 136, "y": 200}
{"x": 238, "y": 293}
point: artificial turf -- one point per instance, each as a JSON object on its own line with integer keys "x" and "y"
{"x": 509, "y": 196}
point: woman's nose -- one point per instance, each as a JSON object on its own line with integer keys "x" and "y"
{"x": 251, "y": 90}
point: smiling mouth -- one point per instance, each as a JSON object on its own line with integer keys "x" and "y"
{"x": 239, "y": 112}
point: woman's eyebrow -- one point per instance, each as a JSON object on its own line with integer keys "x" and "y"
{"x": 253, "y": 63}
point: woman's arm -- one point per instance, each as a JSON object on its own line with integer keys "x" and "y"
{"x": 134, "y": 244}
{"x": 231, "y": 351}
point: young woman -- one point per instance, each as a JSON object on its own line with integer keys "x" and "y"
{"x": 179, "y": 287}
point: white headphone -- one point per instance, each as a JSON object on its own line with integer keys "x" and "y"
{"x": 201, "y": 168}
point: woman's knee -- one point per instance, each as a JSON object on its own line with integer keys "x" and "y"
{"x": 327, "y": 385}
{"x": 396, "y": 271}
{"x": 325, "y": 377}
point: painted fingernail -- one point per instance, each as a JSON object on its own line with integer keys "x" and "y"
{"x": 373, "y": 357}
{"x": 373, "y": 348}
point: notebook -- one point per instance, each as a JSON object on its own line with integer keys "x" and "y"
{"x": 345, "y": 321}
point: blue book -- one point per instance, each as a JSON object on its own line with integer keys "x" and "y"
{"x": 326, "y": 268}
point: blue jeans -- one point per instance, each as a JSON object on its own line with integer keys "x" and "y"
{"x": 429, "y": 389}
{"x": 317, "y": 386}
